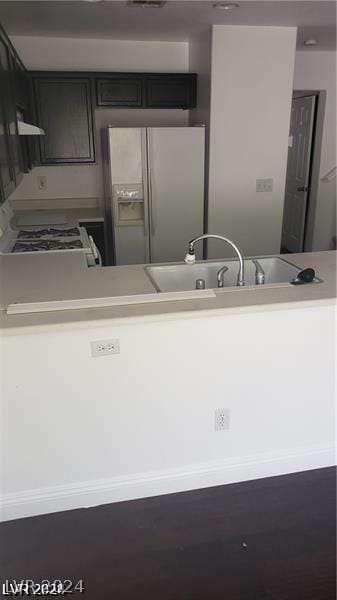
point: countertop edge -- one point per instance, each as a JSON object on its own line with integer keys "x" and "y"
{"x": 102, "y": 321}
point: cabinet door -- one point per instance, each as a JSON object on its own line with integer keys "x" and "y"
{"x": 165, "y": 91}
{"x": 6, "y": 162}
{"x": 6, "y": 171}
{"x": 14, "y": 139}
{"x": 32, "y": 141}
{"x": 21, "y": 103}
{"x": 119, "y": 91}
{"x": 20, "y": 84}
{"x": 64, "y": 111}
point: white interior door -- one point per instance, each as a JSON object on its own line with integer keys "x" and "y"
{"x": 176, "y": 190}
{"x": 298, "y": 172}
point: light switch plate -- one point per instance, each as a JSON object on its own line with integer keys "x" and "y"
{"x": 264, "y": 185}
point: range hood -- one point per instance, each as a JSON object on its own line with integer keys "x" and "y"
{"x": 28, "y": 129}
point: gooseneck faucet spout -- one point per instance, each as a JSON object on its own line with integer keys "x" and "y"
{"x": 190, "y": 256}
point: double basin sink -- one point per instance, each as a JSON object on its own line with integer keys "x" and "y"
{"x": 183, "y": 277}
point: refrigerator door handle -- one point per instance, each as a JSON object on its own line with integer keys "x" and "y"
{"x": 151, "y": 203}
{"x": 152, "y": 208}
{"x": 145, "y": 184}
{"x": 146, "y": 224}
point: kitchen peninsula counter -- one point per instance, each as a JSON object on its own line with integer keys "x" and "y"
{"x": 141, "y": 422}
{"x": 56, "y": 277}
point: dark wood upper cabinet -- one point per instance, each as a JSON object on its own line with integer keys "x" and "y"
{"x": 63, "y": 106}
{"x": 15, "y": 146}
{"x": 10, "y": 158}
{"x": 147, "y": 90}
{"x": 20, "y": 84}
{"x": 119, "y": 91}
{"x": 170, "y": 91}
{"x": 64, "y": 111}
{"x": 7, "y": 179}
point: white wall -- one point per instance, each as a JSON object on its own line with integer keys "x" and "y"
{"x": 252, "y": 80}
{"x": 85, "y": 181}
{"x": 79, "y": 431}
{"x": 100, "y": 55}
{"x": 200, "y": 62}
{"x": 317, "y": 71}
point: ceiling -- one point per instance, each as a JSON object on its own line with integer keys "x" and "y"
{"x": 178, "y": 20}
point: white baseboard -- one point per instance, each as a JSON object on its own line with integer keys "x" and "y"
{"x": 154, "y": 483}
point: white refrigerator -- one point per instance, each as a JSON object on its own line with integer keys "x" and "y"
{"x": 154, "y": 197}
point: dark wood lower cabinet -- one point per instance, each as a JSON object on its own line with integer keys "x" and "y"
{"x": 270, "y": 539}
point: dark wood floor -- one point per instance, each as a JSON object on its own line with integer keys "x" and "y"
{"x": 272, "y": 539}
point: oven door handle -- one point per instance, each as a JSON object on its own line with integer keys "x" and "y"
{"x": 95, "y": 251}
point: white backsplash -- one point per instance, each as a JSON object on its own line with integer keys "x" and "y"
{"x": 53, "y": 203}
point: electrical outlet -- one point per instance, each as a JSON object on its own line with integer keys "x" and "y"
{"x": 264, "y": 185}
{"x": 42, "y": 182}
{"x": 221, "y": 421}
{"x": 104, "y": 347}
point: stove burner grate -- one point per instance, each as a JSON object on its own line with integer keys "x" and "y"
{"x": 61, "y": 245}
{"x": 46, "y": 245}
{"x": 31, "y": 235}
{"x": 71, "y": 232}
{"x": 24, "y": 234}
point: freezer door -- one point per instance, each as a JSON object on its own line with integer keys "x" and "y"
{"x": 176, "y": 190}
{"x": 128, "y": 168}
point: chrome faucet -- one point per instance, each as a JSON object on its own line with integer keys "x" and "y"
{"x": 190, "y": 256}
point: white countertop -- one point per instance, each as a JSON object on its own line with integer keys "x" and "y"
{"x": 74, "y": 209}
{"x": 53, "y": 277}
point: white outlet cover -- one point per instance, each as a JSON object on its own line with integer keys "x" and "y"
{"x": 222, "y": 419}
{"x": 104, "y": 347}
{"x": 264, "y": 185}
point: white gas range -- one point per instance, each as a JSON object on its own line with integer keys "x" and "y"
{"x": 47, "y": 239}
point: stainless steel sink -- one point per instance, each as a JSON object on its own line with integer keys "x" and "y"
{"x": 183, "y": 277}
